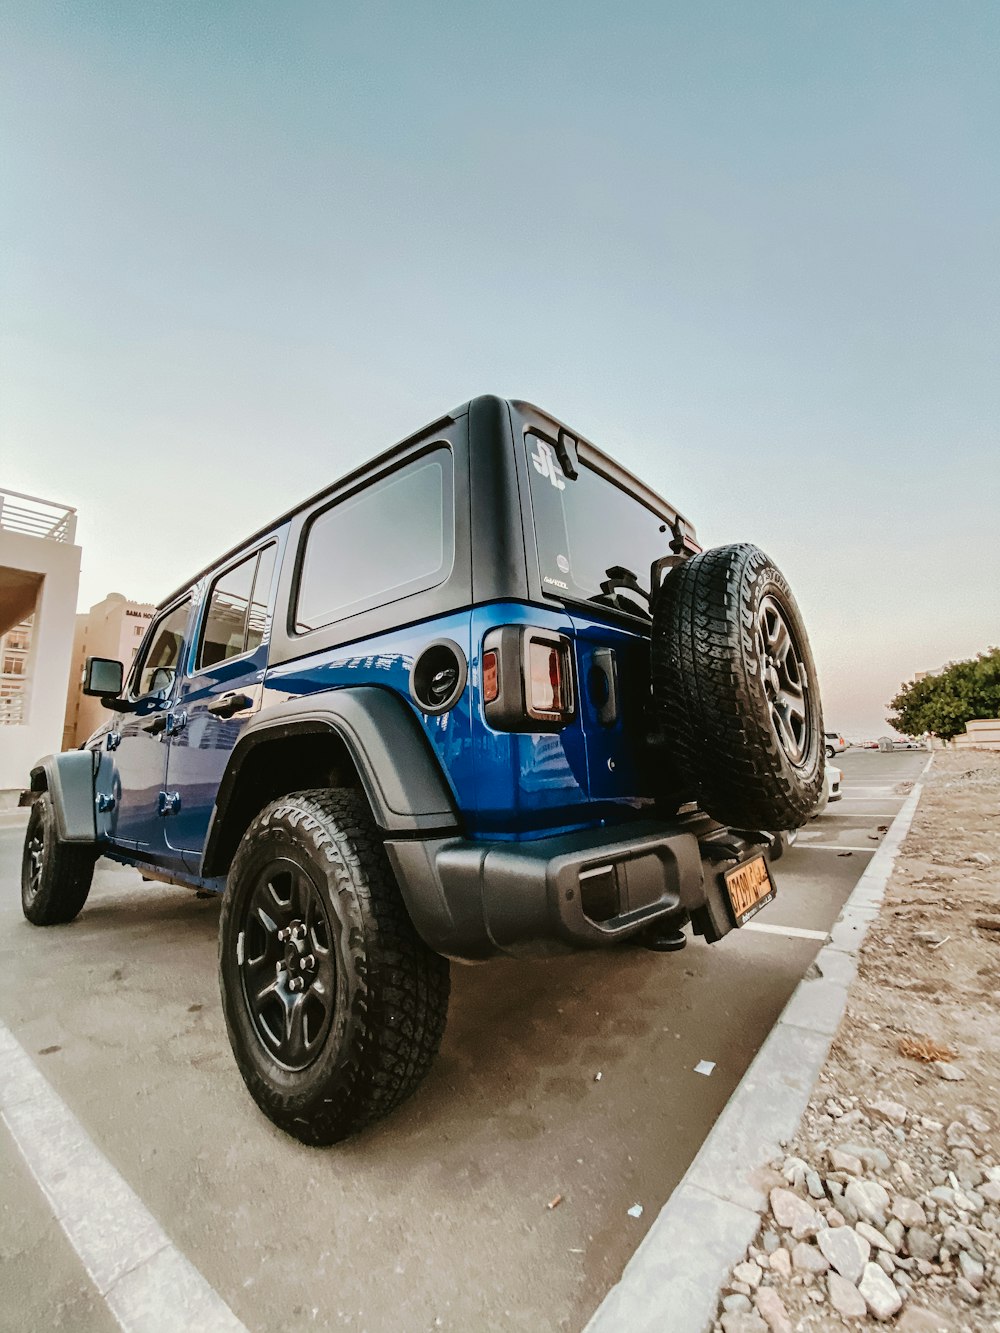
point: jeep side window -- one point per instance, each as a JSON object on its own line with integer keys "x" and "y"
{"x": 237, "y": 610}
{"x": 394, "y": 538}
{"x": 157, "y": 669}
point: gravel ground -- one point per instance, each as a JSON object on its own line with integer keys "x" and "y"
{"x": 886, "y": 1206}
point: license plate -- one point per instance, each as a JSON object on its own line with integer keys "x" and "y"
{"x": 750, "y": 887}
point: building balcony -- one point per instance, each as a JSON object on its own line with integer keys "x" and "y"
{"x": 33, "y": 517}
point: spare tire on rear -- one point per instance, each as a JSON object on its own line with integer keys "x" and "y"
{"x": 735, "y": 688}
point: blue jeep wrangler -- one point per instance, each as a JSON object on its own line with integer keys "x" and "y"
{"x": 485, "y": 695}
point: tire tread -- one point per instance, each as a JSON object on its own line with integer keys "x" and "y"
{"x": 710, "y": 706}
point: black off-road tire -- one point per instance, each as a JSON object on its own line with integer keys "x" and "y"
{"x": 55, "y": 876}
{"x": 747, "y": 735}
{"x": 379, "y": 995}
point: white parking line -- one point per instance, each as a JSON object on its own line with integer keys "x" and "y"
{"x": 871, "y": 800}
{"x": 834, "y": 847}
{"x": 796, "y": 932}
{"x": 149, "y": 1286}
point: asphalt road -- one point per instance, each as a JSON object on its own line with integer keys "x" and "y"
{"x": 438, "y": 1218}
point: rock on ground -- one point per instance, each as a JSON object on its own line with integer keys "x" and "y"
{"x": 846, "y": 1250}
{"x": 879, "y": 1292}
{"x": 845, "y": 1297}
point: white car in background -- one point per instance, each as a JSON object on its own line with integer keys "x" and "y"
{"x": 835, "y": 743}
{"x": 833, "y": 779}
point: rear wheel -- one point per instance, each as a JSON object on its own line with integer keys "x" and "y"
{"x": 55, "y": 875}
{"x": 334, "y": 1005}
{"x": 735, "y": 685}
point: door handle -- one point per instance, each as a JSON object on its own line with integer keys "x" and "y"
{"x": 229, "y": 704}
{"x": 156, "y": 724}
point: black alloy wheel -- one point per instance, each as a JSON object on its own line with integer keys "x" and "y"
{"x": 287, "y": 966}
{"x": 34, "y": 856}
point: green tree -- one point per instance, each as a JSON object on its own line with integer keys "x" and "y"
{"x": 943, "y": 704}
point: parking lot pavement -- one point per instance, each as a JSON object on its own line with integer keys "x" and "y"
{"x": 817, "y": 874}
{"x": 437, "y": 1218}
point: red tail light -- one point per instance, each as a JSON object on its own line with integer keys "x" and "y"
{"x": 491, "y": 676}
{"x": 547, "y": 678}
{"x": 527, "y": 679}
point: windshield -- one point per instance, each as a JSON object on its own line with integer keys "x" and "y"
{"x": 588, "y": 531}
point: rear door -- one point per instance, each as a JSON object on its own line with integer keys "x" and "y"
{"x": 613, "y": 668}
{"x": 596, "y": 532}
{"x": 219, "y": 692}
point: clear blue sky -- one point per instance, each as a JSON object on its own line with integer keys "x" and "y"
{"x": 752, "y": 249}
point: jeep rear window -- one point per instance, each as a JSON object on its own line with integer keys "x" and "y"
{"x": 585, "y": 527}
{"x": 392, "y": 539}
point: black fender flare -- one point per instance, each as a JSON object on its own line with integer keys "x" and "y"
{"x": 69, "y": 780}
{"x": 399, "y": 771}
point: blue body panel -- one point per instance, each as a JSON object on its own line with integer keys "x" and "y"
{"x": 539, "y": 783}
{"x": 385, "y": 661}
{"x": 506, "y": 785}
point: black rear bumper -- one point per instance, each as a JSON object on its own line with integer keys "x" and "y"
{"x": 473, "y": 900}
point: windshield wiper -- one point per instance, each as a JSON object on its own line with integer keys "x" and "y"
{"x": 617, "y": 582}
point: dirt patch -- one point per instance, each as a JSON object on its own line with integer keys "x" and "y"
{"x": 900, "y": 1143}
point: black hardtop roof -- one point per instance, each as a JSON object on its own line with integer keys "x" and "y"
{"x": 614, "y": 468}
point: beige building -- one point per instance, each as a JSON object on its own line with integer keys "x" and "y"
{"x": 982, "y": 734}
{"x": 112, "y": 628}
{"x": 39, "y": 578}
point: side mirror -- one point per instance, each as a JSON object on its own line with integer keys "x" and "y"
{"x": 103, "y": 677}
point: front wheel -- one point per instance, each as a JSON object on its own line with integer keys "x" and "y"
{"x": 334, "y": 1005}
{"x": 55, "y": 875}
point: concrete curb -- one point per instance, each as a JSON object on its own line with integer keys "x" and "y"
{"x": 673, "y": 1279}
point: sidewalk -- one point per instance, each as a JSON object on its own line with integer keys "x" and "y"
{"x": 886, "y": 1206}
